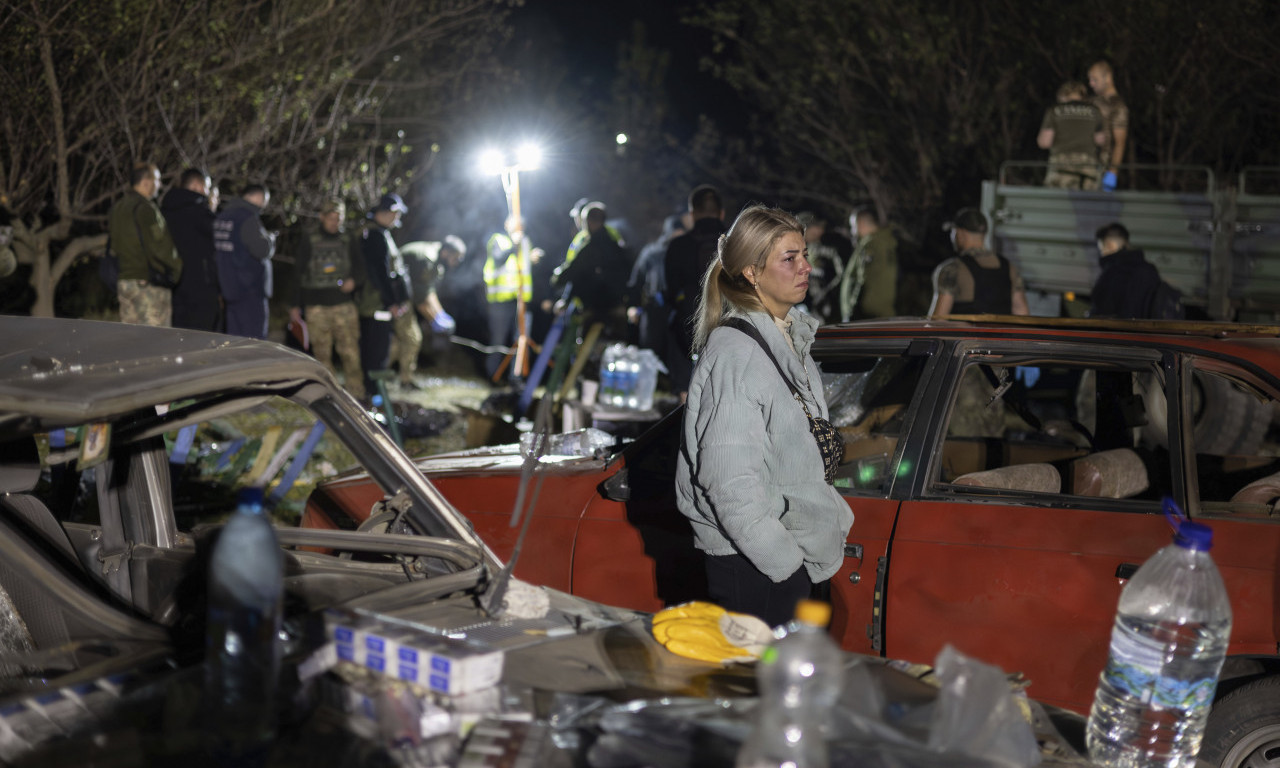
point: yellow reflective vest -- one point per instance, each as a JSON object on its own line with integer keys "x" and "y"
{"x": 501, "y": 279}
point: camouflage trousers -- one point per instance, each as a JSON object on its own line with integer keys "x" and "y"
{"x": 142, "y": 303}
{"x": 1073, "y": 171}
{"x": 337, "y": 328}
{"x": 406, "y": 343}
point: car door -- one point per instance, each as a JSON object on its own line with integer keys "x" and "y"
{"x": 874, "y": 389}
{"x": 1039, "y": 491}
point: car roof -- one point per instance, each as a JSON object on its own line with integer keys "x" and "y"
{"x": 82, "y": 369}
{"x": 1243, "y": 337}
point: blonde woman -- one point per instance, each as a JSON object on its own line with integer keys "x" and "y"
{"x": 757, "y": 455}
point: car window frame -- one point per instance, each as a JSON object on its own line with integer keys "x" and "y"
{"x": 830, "y": 349}
{"x": 929, "y": 488}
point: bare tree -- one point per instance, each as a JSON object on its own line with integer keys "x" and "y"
{"x": 313, "y": 97}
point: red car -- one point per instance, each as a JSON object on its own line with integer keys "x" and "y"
{"x": 1006, "y": 475}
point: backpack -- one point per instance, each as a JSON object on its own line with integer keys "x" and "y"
{"x": 1166, "y": 303}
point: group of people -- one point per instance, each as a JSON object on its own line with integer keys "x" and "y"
{"x": 197, "y": 262}
{"x": 1086, "y": 137}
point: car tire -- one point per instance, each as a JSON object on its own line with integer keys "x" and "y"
{"x": 1244, "y": 727}
{"x": 1228, "y": 422}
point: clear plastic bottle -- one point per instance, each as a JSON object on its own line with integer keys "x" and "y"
{"x": 647, "y": 365}
{"x": 242, "y": 641}
{"x": 1167, "y": 648}
{"x": 609, "y": 375}
{"x": 631, "y": 366}
{"x": 800, "y": 676}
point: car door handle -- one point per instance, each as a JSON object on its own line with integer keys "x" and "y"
{"x": 1126, "y": 570}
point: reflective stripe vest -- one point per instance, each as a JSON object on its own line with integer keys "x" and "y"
{"x": 580, "y": 240}
{"x": 503, "y": 281}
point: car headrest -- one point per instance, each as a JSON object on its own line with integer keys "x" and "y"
{"x": 1039, "y": 477}
{"x": 19, "y": 465}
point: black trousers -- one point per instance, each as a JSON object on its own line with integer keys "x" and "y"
{"x": 736, "y": 585}
{"x": 375, "y": 349}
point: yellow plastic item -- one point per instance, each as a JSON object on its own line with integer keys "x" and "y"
{"x": 696, "y": 630}
{"x": 718, "y": 654}
{"x": 694, "y": 609}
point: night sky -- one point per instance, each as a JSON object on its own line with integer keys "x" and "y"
{"x": 566, "y": 54}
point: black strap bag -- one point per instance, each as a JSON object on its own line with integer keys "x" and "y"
{"x": 830, "y": 444}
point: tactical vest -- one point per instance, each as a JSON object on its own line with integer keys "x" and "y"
{"x": 503, "y": 282}
{"x": 330, "y": 262}
{"x": 992, "y": 289}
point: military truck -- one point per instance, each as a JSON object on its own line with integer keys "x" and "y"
{"x": 1217, "y": 243}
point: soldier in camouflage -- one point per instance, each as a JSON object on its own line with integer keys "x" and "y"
{"x": 1072, "y": 131}
{"x": 328, "y": 274}
{"x": 1115, "y": 116}
{"x": 149, "y": 263}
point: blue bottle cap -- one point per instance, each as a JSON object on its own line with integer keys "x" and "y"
{"x": 249, "y": 496}
{"x": 1193, "y": 536}
{"x": 376, "y": 400}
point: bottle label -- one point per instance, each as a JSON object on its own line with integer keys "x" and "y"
{"x": 1134, "y": 669}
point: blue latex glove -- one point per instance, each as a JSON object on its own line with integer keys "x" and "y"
{"x": 443, "y": 323}
{"x": 1027, "y": 375}
{"x": 1109, "y": 181}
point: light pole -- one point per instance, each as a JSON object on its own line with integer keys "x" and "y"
{"x": 528, "y": 157}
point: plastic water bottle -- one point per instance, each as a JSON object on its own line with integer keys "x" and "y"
{"x": 609, "y": 375}
{"x": 800, "y": 676}
{"x": 647, "y": 378}
{"x": 1167, "y": 648}
{"x": 631, "y": 366}
{"x": 242, "y": 649}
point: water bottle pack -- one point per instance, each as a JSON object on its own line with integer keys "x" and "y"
{"x": 628, "y": 377}
{"x": 1170, "y": 638}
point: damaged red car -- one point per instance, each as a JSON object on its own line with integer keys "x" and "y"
{"x": 1006, "y": 475}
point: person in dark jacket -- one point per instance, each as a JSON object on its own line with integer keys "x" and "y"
{"x": 687, "y": 259}
{"x": 386, "y": 303}
{"x": 244, "y": 249}
{"x": 196, "y": 304}
{"x": 597, "y": 276}
{"x": 645, "y": 287}
{"x": 1128, "y": 282}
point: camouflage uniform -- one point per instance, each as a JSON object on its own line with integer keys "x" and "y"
{"x": 141, "y": 240}
{"x": 1114, "y": 115}
{"x": 337, "y": 328}
{"x": 144, "y": 304}
{"x": 406, "y": 343}
{"x": 1073, "y": 158}
{"x": 325, "y": 263}
{"x": 869, "y": 285}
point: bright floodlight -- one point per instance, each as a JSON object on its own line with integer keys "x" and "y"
{"x": 491, "y": 162}
{"x": 621, "y": 139}
{"x": 529, "y": 157}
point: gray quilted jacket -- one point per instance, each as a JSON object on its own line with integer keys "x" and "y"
{"x": 750, "y": 476}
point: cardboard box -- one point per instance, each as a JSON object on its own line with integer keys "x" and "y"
{"x": 437, "y": 663}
